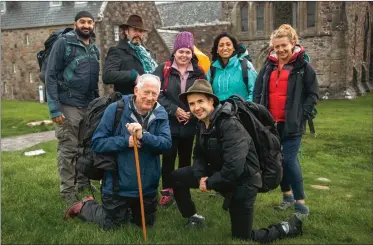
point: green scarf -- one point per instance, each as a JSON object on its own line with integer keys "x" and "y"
{"x": 147, "y": 61}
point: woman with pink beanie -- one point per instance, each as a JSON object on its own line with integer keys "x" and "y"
{"x": 177, "y": 75}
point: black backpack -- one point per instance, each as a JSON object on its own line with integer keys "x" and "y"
{"x": 259, "y": 123}
{"x": 91, "y": 164}
{"x": 42, "y": 55}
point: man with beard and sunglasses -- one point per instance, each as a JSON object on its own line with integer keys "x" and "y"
{"x": 129, "y": 59}
{"x": 71, "y": 84}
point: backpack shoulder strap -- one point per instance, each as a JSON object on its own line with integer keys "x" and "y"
{"x": 118, "y": 115}
{"x": 212, "y": 74}
{"x": 166, "y": 74}
{"x": 244, "y": 72}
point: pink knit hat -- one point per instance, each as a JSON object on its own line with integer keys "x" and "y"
{"x": 184, "y": 40}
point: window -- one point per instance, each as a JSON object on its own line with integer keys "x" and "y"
{"x": 14, "y": 68}
{"x": 116, "y": 33}
{"x": 55, "y": 3}
{"x": 311, "y": 14}
{"x": 260, "y": 17}
{"x": 26, "y": 41}
{"x": 295, "y": 14}
{"x": 80, "y": 2}
{"x": 30, "y": 77}
{"x": 244, "y": 18}
{"x": 5, "y": 88}
{"x": 3, "y": 7}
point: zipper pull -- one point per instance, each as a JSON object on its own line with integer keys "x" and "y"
{"x": 278, "y": 77}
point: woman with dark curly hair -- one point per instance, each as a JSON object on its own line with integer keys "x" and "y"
{"x": 231, "y": 71}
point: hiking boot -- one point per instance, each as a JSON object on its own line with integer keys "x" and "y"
{"x": 293, "y": 225}
{"x": 300, "y": 215}
{"x": 301, "y": 211}
{"x": 196, "y": 221}
{"x": 167, "y": 197}
{"x": 74, "y": 210}
{"x": 284, "y": 205}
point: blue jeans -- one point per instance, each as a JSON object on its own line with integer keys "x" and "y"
{"x": 292, "y": 172}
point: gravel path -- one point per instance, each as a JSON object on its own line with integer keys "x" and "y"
{"x": 24, "y": 141}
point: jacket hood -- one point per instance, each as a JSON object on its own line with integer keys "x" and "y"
{"x": 223, "y": 111}
{"x": 298, "y": 54}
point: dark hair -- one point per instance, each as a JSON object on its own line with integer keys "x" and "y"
{"x": 214, "y": 50}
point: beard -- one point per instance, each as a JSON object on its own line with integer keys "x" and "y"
{"x": 83, "y": 34}
{"x": 136, "y": 41}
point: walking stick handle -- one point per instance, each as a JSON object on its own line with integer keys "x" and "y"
{"x": 140, "y": 185}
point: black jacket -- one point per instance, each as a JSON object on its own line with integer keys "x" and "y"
{"x": 225, "y": 152}
{"x": 169, "y": 99}
{"x": 302, "y": 94}
{"x": 119, "y": 63}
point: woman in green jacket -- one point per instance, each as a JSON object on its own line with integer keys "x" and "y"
{"x": 230, "y": 63}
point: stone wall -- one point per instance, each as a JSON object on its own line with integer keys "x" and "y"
{"x": 355, "y": 37}
{"x": 204, "y": 34}
{"x": 20, "y": 69}
{"x": 117, "y": 13}
{"x": 336, "y": 46}
{"x": 17, "y": 85}
{"x": 157, "y": 47}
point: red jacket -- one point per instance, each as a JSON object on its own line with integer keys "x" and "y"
{"x": 278, "y": 85}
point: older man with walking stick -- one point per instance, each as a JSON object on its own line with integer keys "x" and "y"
{"x": 146, "y": 121}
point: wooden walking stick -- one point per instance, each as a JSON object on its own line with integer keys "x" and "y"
{"x": 139, "y": 184}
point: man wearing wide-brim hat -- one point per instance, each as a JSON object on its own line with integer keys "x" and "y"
{"x": 129, "y": 59}
{"x": 224, "y": 160}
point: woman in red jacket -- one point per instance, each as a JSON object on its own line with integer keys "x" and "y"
{"x": 288, "y": 87}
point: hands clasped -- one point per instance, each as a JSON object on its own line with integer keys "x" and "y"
{"x": 182, "y": 116}
{"x": 134, "y": 129}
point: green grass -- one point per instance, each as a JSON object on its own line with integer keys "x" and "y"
{"x": 16, "y": 114}
{"x": 32, "y": 211}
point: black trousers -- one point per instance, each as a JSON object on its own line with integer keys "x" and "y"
{"x": 241, "y": 207}
{"x": 115, "y": 211}
{"x": 182, "y": 146}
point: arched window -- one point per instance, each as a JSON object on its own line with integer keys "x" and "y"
{"x": 311, "y": 14}
{"x": 260, "y": 17}
{"x": 244, "y": 17}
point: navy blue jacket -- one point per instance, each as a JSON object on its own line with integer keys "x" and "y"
{"x": 155, "y": 141}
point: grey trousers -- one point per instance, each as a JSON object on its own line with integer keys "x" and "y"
{"x": 117, "y": 211}
{"x": 67, "y": 135}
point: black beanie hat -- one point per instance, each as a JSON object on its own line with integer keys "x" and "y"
{"x": 84, "y": 14}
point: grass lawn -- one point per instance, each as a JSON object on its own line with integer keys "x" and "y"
{"x": 32, "y": 211}
{"x": 16, "y": 114}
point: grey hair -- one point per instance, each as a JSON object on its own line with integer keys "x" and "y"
{"x": 148, "y": 78}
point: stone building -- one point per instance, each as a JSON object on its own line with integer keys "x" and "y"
{"x": 26, "y": 25}
{"x": 338, "y": 36}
